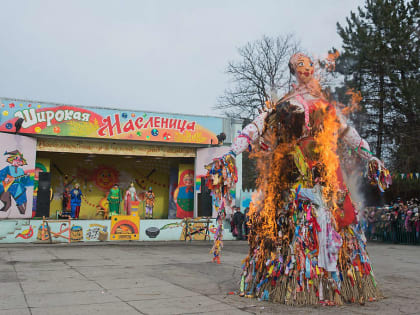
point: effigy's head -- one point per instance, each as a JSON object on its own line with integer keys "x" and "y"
{"x": 302, "y": 67}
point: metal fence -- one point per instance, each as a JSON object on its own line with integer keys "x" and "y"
{"x": 385, "y": 231}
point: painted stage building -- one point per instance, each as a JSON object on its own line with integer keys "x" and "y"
{"x": 65, "y": 161}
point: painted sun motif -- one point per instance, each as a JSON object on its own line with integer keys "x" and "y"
{"x": 105, "y": 177}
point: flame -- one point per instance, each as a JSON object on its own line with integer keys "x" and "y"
{"x": 355, "y": 99}
{"x": 267, "y": 201}
{"x": 330, "y": 60}
{"x": 327, "y": 139}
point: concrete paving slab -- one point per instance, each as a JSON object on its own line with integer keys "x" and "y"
{"x": 58, "y": 286}
{"x": 16, "y": 311}
{"x": 9, "y": 289}
{"x": 184, "y": 305}
{"x": 90, "y": 309}
{"x": 70, "y": 298}
{"x": 12, "y": 302}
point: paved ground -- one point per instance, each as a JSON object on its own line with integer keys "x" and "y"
{"x": 174, "y": 278}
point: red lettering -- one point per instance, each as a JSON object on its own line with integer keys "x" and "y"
{"x": 164, "y": 122}
{"x": 107, "y": 124}
{"x": 181, "y": 125}
{"x": 157, "y": 122}
{"x": 149, "y": 121}
{"x": 129, "y": 126}
{"x": 191, "y": 126}
{"x": 138, "y": 122}
{"x": 172, "y": 123}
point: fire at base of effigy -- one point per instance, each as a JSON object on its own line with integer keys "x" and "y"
{"x": 306, "y": 246}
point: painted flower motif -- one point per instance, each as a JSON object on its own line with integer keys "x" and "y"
{"x": 139, "y": 133}
{"x": 38, "y": 106}
{"x": 57, "y": 129}
{"x": 5, "y": 113}
{"x": 9, "y": 126}
{"x": 38, "y": 129}
{"x": 155, "y": 132}
{"x": 21, "y": 105}
{"x": 133, "y": 115}
{"x": 147, "y": 137}
{"x": 2, "y": 105}
{"x": 144, "y": 115}
{"x": 11, "y": 105}
{"x": 29, "y": 105}
{"x": 124, "y": 115}
{"x": 167, "y": 136}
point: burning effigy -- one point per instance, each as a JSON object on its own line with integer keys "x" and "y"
{"x": 306, "y": 245}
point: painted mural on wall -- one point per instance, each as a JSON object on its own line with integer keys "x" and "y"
{"x": 65, "y": 120}
{"x": 174, "y": 230}
{"x": 31, "y": 231}
{"x": 184, "y": 193}
{"x": 125, "y": 227}
{"x": 17, "y": 171}
{"x": 18, "y": 231}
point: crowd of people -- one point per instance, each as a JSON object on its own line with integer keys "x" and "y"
{"x": 398, "y": 222}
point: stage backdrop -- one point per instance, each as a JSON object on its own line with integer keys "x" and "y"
{"x": 96, "y": 176}
{"x": 17, "y": 169}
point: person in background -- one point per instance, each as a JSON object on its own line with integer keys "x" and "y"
{"x": 238, "y": 222}
{"x": 371, "y": 225}
{"x": 246, "y": 227}
{"x": 416, "y": 225}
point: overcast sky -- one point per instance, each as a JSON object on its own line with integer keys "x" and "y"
{"x": 166, "y": 56}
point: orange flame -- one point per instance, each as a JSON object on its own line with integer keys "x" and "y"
{"x": 355, "y": 99}
{"x": 327, "y": 139}
{"x": 330, "y": 60}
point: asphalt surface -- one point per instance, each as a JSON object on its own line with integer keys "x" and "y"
{"x": 170, "y": 278}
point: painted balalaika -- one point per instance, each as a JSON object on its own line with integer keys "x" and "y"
{"x": 305, "y": 244}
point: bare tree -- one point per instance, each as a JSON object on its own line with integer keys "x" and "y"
{"x": 261, "y": 73}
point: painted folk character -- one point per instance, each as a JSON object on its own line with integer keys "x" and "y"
{"x": 13, "y": 182}
{"x": 114, "y": 200}
{"x": 184, "y": 195}
{"x": 75, "y": 201}
{"x": 150, "y": 203}
{"x": 312, "y": 220}
{"x": 130, "y": 198}
{"x": 66, "y": 205}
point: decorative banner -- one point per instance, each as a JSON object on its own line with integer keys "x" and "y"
{"x": 125, "y": 227}
{"x": 74, "y": 121}
{"x": 406, "y": 176}
{"x": 184, "y": 194}
{"x": 17, "y": 171}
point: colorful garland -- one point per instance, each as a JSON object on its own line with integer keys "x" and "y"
{"x": 221, "y": 178}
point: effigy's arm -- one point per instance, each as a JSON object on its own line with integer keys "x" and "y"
{"x": 249, "y": 135}
{"x": 378, "y": 174}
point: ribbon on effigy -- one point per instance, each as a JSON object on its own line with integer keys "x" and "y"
{"x": 305, "y": 108}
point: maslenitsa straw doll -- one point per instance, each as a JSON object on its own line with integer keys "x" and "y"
{"x": 305, "y": 243}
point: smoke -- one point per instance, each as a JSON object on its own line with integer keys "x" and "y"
{"x": 354, "y": 184}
